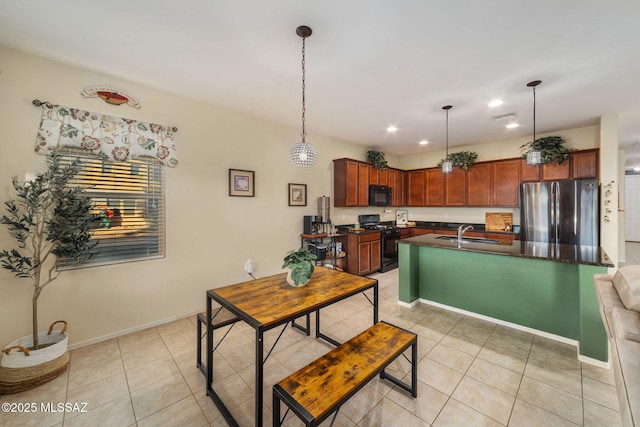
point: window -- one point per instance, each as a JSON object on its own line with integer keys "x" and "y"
{"x": 128, "y": 208}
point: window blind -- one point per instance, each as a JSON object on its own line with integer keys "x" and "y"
{"x": 128, "y": 212}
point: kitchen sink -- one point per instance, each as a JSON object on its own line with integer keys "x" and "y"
{"x": 469, "y": 239}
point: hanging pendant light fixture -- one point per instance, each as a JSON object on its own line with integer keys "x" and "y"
{"x": 303, "y": 154}
{"x": 447, "y": 166}
{"x": 534, "y": 157}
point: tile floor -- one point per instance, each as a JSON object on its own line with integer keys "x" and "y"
{"x": 632, "y": 250}
{"x": 471, "y": 373}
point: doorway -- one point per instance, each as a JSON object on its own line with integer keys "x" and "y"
{"x": 632, "y": 208}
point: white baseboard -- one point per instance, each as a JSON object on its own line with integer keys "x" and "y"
{"x": 117, "y": 334}
{"x": 408, "y": 304}
{"x": 537, "y": 332}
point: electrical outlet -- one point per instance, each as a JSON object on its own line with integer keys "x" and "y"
{"x": 249, "y": 266}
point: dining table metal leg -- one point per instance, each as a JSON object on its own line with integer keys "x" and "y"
{"x": 259, "y": 375}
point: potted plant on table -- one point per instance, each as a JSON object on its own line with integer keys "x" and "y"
{"x": 301, "y": 265}
{"x": 48, "y": 219}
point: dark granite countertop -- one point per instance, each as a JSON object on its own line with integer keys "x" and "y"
{"x": 347, "y": 228}
{"x": 454, "y": 226}
{"x": 589, "y": 255}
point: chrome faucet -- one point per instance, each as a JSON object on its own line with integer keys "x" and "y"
{"x": 462, "y": 229}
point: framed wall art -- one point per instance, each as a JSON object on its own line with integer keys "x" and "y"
{"x": 241, "y": 183}
{"x": 297, "y": 194}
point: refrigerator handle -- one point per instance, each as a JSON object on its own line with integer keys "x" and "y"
{"x": 555, "y": 211}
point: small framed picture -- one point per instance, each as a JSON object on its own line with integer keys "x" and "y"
{"x": 297, "y": 194}
{"x": 241, "y": 183}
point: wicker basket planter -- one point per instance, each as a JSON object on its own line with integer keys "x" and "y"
{"x": 22, "y": 369}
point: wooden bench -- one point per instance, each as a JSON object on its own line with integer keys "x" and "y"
{"x": 322, "y": 387}
{"x": 221, "y": 317}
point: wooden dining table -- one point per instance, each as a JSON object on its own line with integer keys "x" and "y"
{"x": 270, "y": 302}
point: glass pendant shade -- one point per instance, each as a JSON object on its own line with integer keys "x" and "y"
{"x": 303, "y": 155}
{"x": 447, "y": 167}
{"x": 534, "y": 157}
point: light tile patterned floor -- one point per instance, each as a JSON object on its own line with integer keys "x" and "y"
{"x": 632, "y": 252}
{"x": 471, "y": 373}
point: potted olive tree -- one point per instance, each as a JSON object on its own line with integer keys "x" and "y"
{"x": 48, "y": 218}
{"x": 300, "y": 265}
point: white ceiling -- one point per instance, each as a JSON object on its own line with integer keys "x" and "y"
{"x": 369, "y": 63}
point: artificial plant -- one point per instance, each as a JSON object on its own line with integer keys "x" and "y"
{"x": 461, "y": 159}
{"x": 301, "y": 264}
{"x": 49, "y": 218}
{"x": 550, "y": 148}
{"x": 377, "y": 158}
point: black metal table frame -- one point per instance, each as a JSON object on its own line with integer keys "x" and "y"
{"x": 260, "y": 330}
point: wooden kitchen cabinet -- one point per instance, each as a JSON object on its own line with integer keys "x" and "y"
{"x": 553, "y": 171}
{"x": 420, "y": 231}
{"x": 434, "y": 194}
{"x": 506, "y": 182}
{"x": 479, "y": 184}
{"x": 416, "y": 187}
{"x": 405, "y": 233}
{"x": 393, "y": 184}
{"x": 345, "y": 183}
{"x": 363, "y": 184}
{"x": 364, "y": 253}
{"x": 402, "y": 189}
{"x": 498, "y": 236}
{"x": 455, "y": 188}
{"x": 584, "y": 164}
{"x": 529, "y": 173}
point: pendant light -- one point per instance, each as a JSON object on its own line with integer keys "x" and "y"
{"x": 303, "y": 154}
{"x": 447, "y": 166}
{"x": 534, "y": 157}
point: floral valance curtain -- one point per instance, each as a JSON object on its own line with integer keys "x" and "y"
{"x": 115, "y": 138}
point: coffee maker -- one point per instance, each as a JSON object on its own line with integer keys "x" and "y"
{"x": 311, "y": 224}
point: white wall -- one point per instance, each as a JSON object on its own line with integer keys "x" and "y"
{"x": 209, "y": 234}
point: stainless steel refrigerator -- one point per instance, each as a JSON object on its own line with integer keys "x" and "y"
{"x": 560, "y": 212}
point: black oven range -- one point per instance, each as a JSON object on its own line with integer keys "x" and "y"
{"x": 390, "y": 234}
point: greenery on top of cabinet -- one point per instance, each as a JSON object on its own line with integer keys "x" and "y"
{"x": 377, "y": 158}
{"x": 461, "y": 159}
{"x": 550, "y": 147}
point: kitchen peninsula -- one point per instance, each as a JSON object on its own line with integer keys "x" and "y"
{"x": 537, "y": 286}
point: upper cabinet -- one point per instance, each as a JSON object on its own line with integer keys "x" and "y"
{"x": 506, "y": 182}
{"x": 351, "y": 180}
{"x": 479, "y": 184}
{"x": 363, "y": 184}
{"x": 350, "y": 183}
{"x": 553, "y": 170}
{"x": 434, "y": 188}
{"x": 455, "y": 188}
{"x": 345, "y": 183}
{"x": 529, "y": 172}
{"x": 584, "y": 164}
{"x": 416, "y": 183}
{"x": 492, "y": 183}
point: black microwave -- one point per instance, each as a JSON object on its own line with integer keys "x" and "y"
{"x": 379, "y": 195}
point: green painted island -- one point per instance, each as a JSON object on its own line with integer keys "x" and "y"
{"x": 536, "y": 286}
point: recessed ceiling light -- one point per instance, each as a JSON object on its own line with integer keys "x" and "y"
{"x": 512, "y": 125}
{"x": 392, "y": 129}
{"x": 496, "y": 103}
{"x": 423, "y": 142}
